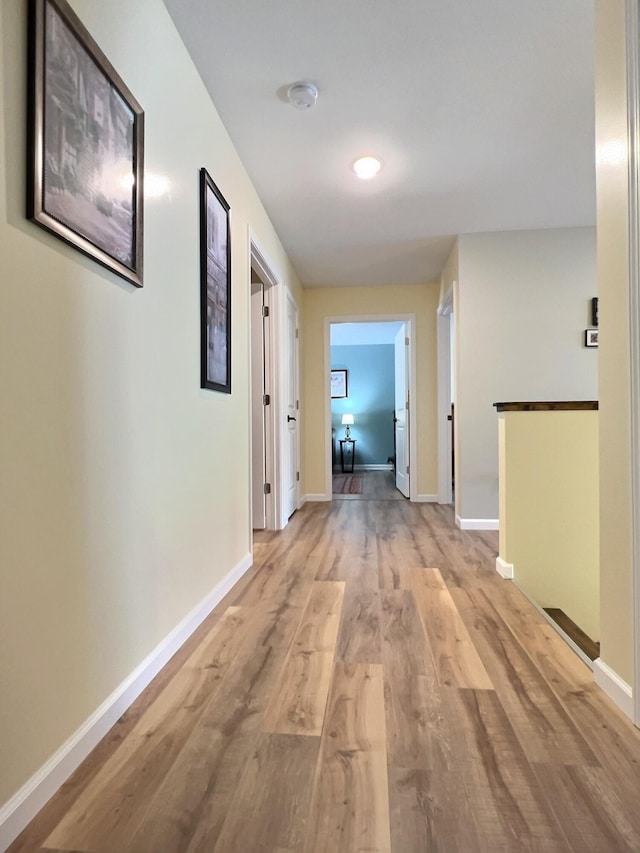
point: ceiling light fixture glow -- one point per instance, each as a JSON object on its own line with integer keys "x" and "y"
{"x": 367, "y": 167}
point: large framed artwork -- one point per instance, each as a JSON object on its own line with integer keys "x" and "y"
{"x": 86, "y": 138}
{"x": 215, "y": 287}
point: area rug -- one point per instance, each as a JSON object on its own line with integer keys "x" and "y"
{"x": 347, "y": 484}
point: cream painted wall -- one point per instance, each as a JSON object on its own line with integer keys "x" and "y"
{"x": 523, "y": 302}
{"x": 616, "y": 582}
{"x": 320, "y": 303}
{"x": 125, "y": 488}
{"x": 549, "y": 519}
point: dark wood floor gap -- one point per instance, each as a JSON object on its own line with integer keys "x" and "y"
{"x": 590, "y": 647}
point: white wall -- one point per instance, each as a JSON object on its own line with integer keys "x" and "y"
{"x": 125, "y": 488}
{"x": 522, "y": 305}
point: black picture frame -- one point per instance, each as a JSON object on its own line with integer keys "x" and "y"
{"x": 215, "y": 287}
{"x": 86, "y": 143}
{"x": 339, "y": 384}
{"x": 591, "y": 337}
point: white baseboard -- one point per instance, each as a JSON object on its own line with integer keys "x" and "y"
{"x": 312, "y": 498}
{"x": 616, "y": 689}
{"x": 425, "y": 499}
{"x": 27, "y": 802}
{"x": 504, "y": 569}
{"x": 477, "y": 523}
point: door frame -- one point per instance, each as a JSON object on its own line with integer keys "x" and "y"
{"x": 400, "y": 407}
{"x": 295, "y": 355}
{"x": 633, "y": 132}
{"x": 445, "y": 473}
{"x": 276, "y": 518}
{"x": 410, "y": 320}
{"x": 257, "y": 383}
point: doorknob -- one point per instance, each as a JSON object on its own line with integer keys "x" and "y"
{"x": 289, "y": 418}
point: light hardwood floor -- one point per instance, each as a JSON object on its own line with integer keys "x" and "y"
{"x": 371, "y": 685}
{"x": 376, "y": 485}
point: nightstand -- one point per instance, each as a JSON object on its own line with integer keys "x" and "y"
{"x": 347, "y": 454}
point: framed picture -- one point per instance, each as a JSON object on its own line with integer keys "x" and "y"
{"x": 591, "y": 337}
{"x": 338, "y": 384}
{"x": 86, "y": 138}
{"x": 594, "y": 311}
{"x": 215, "y": 287}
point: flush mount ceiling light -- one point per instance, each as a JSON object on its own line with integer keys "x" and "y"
{"x": 302, "y": 96}
{"x": 367, "y": 167}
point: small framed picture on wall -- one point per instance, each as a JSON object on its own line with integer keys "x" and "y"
{"x": 338, "y": 384}
{"x": 591, "y": 337}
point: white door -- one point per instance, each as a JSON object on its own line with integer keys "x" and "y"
{"x": 292, "y": 408}
{"x": 258, "y": 442}
{"x": 401, "y": 348}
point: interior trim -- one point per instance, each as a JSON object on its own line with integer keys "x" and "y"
{"x": 633, "y": 133}
{"x": 616, "y": 689}
{"x": 408, "y": 318}
{"x": 549, "y": 406}
{"x": 445, "y": 473}
{"x": 35, "y": 793}
{"x": 504, "y": 569}
{"x": 478, "y": 523}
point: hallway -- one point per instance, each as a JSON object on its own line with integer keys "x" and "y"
{"x": 371, "y": 685}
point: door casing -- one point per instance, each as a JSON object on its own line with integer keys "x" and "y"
{"x": 410, "y": 320}
{"x": 291, "y": 482}
{"x": 275, "y": 367}
{"x": 258, "y": 407}
{"x": 445, "y": 474}
{"x": 402, "y": 405}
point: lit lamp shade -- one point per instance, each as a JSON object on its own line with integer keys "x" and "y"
{"x": 347, "y": 420}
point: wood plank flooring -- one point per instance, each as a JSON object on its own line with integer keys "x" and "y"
{"x": 376, "y": 485}
{"x": 371, "y": 685}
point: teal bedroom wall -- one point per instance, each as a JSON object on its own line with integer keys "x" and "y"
{"x": 370, "y": 401}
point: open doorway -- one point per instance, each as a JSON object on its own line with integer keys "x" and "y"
{"x": 274, "y": 354}
{"x": 369, "y": 407}
{"x": 262, "y": 472}
{"x": 269, "y": 352}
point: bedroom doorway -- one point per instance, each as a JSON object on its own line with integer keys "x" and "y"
{"x": 368, "y": 427}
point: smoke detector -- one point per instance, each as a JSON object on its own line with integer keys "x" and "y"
{"x": 302, "y": 96}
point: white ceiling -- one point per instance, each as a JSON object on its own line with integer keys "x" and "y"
{"x": 482, "y": 111}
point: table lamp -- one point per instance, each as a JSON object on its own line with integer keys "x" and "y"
{"x": 347, "y": 420}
